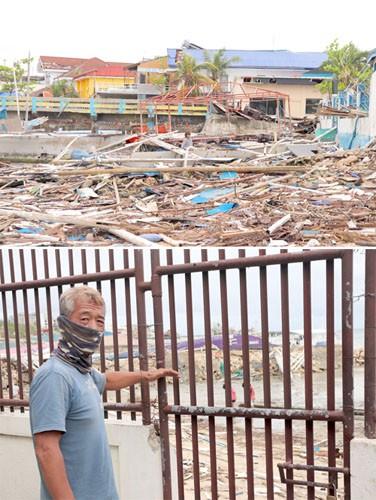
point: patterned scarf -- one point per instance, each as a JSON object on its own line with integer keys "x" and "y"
{"x": 77, "y": 344}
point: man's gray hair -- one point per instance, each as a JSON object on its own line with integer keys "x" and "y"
{"x": 68, "y": 299}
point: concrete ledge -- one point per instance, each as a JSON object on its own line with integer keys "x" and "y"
{"x": 363, "y": 468}
{"x": 135, "y": 451}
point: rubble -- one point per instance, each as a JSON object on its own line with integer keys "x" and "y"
{"x": 290, "y": 192}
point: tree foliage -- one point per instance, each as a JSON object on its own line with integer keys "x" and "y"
{"x": 348, "y": 63}
{"x": 63, "y": 88}
{"x": 217, "y": 64}
{"x": 189, "y": 73}
{"x": 7, "y": 76}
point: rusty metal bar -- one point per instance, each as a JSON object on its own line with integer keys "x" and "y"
{"x": 16, "y": 327}
{"x": 134, "y": 407}
{"x": 266, "y": 378}
{"x": 227, "y": 377}
{"x": 162, "y": 384}
{"x": 115, "y": 339}
{"x": 6, "y": 329}
{"x": 192, "y": 377}
{"x": 209, "y": 376}
{"x": 370, "y": 346}
{"x": 266, "y": 413}
{"x": 48, "y": 301}
{"x": 27, "y": 318}
{"x": 142, "y": 334}
{"x": 246, "y": 377}
{"x": 330, "y": 369}
{"x": 37, "y": 306}
{"x": 308, "y": 379}
{"x": 347, "y": 361}
{"x": 176, "y": 388}
{"x": 285, "y": 320}
{"x": 68, "y": 280}
{"x": 128, "y": 315}
{"x": 263, "y": 260}
{"x": 101, "y": 347}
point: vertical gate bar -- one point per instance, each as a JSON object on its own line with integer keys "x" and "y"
{"x": 286, "y": 355}
{"x": 227, "y": 373}
{"x": 48, "y": 300}
{"x": 115, "y": 338}
{"x": 16, "y": 327}
{"x": 162, "y": 385}
{"x": 27, "y": 318}
{"x": 347, "y": 362}
{"x": 209, "y": 377}
{"x": 101, "y": 347}
{"x": 142, "y": 334}
{"x": 37, "y": 306}
{"x": 192, "y": 376}
{"x": 83, "y": 262}
{"x": 176, "y": 388}
{"x": 71, "y": 262}
{"x": 266, "y": 378}
{"x": 6, "y": 330}
{"x": 58, "y": 269}
{"x": 308, "y": 382}
{"x": 129, "y": 326}
{"x": 370, "y": 346}
{"x": 246, "y": 376}
{"x": 330, "y": 369}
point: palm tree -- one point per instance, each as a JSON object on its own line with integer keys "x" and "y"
{"x": 217, "y": 64}
{"x": 189, "y": 72}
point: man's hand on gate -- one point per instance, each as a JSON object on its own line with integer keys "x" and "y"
{"x": 152, "y": 375}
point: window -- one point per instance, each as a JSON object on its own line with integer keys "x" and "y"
{"x": 247, "y": 79}
{"x": 311, "y": 106}
{"x": 268, "y": 106}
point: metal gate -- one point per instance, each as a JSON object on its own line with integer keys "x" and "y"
{"x": 336, "y": 456}
{"x": 193, "y": 415}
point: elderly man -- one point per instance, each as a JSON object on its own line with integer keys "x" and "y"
{"x": 66, "y": 413}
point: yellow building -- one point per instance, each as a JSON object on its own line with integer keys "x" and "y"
{"x": 102, "y": 78}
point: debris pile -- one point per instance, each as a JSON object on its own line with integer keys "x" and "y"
{"x": 152, "y": 192}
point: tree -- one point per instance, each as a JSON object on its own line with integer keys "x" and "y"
{"x": 349, "y": 65}
{"x": 218, "y": 64}
{"x": 63, "y": 88}
{"x": 7, "y": 76}
{"x": 189, "y": 72}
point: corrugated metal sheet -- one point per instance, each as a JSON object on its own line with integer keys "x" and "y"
{"x": 259, "y": 58}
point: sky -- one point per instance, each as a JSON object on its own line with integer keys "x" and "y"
{"x": 117, "y": 30}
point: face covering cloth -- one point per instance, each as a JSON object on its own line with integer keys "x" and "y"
{"x": 77, "y": 344}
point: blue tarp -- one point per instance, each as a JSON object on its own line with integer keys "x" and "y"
{"x": 211, "y": 193}
{"x": 222, "y": 209}
{"x": 228, "y": 175}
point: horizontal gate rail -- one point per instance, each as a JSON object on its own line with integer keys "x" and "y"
{"x": 243, "y": 262}
{"x": 23, "y": 403}
{"x": 231, "y": 411}
{"x": 67, "y": 280}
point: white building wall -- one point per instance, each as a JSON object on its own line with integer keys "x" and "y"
{"x": 135, "y": 451}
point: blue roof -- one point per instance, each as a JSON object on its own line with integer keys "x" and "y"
{"x": 259, "y": 58}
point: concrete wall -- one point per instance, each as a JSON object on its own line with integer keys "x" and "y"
{"x": 363, "y": 468}
{"x": 135, "y": 451}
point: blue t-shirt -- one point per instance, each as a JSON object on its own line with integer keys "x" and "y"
{"x": 63, "y": 399}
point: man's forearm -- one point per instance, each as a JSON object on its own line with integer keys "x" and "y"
{"x": 119, "y": 380}
{"x": 54, "y": 474}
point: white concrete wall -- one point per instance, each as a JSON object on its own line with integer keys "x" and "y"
{"x": 372, "y": 106}
{"x": 363, "y": 469}
{"x": 135, "y": 451}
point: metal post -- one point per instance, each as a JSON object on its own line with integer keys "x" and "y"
{"x": 347, "y": 361}
{"x": 162, "y": 386}
{"x": 370, "y": 346}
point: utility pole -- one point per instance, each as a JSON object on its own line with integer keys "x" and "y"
{"x": 27, "y": 91}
